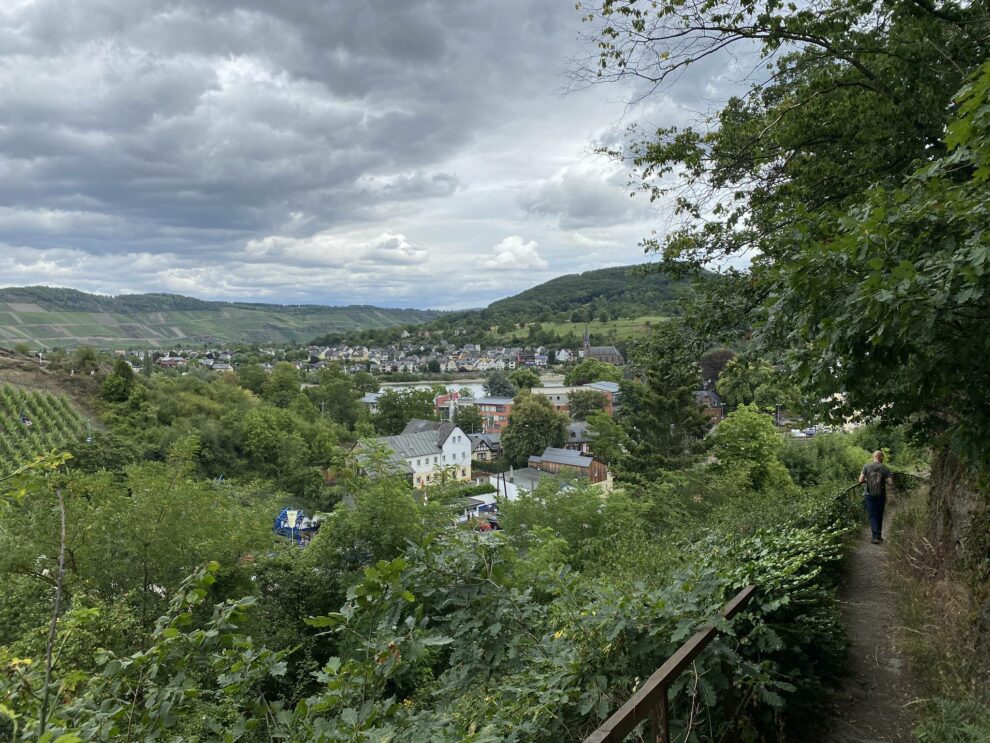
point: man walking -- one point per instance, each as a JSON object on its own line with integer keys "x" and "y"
{"x": 876, "y": 477}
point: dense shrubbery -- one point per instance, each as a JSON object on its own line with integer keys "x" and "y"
{"x": 393, "y": 622}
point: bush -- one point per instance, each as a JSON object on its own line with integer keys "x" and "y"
{"x": 892, "y": 440}
{"x": 824, "y": 458}
{"x": 495, "y": 467}
{"x": 956, "y": 721}
{"x": 469, "y": 491}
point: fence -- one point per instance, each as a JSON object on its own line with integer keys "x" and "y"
{"x": 650, "y": 701}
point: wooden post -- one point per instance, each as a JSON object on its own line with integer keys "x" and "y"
{"x": 664, "y": 717}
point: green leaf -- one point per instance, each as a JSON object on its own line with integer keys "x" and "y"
{"x": 333, "y": 619}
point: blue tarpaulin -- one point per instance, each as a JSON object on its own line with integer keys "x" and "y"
{"x": 294, "y": 524}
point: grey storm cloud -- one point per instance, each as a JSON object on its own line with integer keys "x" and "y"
{"x": 222, "y": 146}
{"x": 224, "y": 116}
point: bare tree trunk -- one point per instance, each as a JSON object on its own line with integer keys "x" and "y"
{"x": 55, "y": 613}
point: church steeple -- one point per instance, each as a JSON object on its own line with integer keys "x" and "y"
{"x": 587, "y": 340}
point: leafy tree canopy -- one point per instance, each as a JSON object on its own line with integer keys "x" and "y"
{"x": 525, "y": 378}
{"x": 251, "y": 377}
{"x": 749, "y": 380}
{"x": 397, "y": 407}
{"x": 533, "y": 426}
{"x": 747, "y": 440}
{"x": 584, "y": 403}
{"x": 468, "y": 418}
{"x": 855, "y": 173}
{"x": 282, "y": 385}
{"x": 592, "y": 370}
{"x": 119, "y": 383}
{"x": 712, "y": 364}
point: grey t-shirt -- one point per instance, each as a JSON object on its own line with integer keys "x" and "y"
{"x": 881, "y": 470}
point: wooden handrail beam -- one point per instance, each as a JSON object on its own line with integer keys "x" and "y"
{"x": 653, "y": 694}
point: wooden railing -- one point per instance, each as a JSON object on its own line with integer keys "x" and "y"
{"x": 650, "y": 701}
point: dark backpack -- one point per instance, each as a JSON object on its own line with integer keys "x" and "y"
{"x": 875, "y": 482}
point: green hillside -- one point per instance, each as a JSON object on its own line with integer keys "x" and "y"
{"x": 615, "y": 303}
{"x": 568, "y": 302}
{"x": 49, "y": 317}
{"x": 623, "y": 291}
{"x": 34, "y": 422}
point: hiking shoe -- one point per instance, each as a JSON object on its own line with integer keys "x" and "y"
{"x": 875, "y": 540}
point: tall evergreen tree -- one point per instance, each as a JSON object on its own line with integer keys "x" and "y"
{"x": 662, "y": 419}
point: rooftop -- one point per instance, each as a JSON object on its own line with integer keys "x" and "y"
{"x": 612, "y": 387}
{"x": 563, "y": 456}
{"x": 493, "y": 440}
{"x": 416, "y": 444}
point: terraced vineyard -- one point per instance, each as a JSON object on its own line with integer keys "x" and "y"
{"x": 33, "y": 423}
{"x": 44, "y": 317}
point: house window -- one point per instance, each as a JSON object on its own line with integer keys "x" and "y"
{"x": 417, "y": 463}
{"x": 434, "y": 460}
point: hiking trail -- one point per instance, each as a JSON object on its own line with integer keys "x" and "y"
{"x": 875, "y": 702}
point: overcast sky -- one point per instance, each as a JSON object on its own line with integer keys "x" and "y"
{"x": 415, "y": 153}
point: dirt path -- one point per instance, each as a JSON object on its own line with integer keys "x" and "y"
{"x": 875, "y": 701}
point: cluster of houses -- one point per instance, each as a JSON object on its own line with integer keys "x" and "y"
{"x": 217, "y": 360}
{"x": 409, "y": 355}
{"x": 495, "y": 411}
{"x": 442, "y": 356}
{"x": 406, "y": 356}
{"x": 429, "y": 452}
{"x": 433, "y": 452}
{"x": 218, "y": 363}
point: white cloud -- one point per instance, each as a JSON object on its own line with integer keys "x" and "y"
{"x": 514, "y": 252}
{"x": 331, "y": 250}
{"x": 396, "y": 250}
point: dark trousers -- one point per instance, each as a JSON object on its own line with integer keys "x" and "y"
{"x": 874, "y": 509}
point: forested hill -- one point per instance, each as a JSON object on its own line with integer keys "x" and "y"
{"x": 48, "y": 317}
{"x": 623, "y": 291}
{"x": 613, "y": 303}
{"x": 565, "y": 303}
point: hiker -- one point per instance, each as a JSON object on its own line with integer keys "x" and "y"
{"x": 876, "y": 477}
